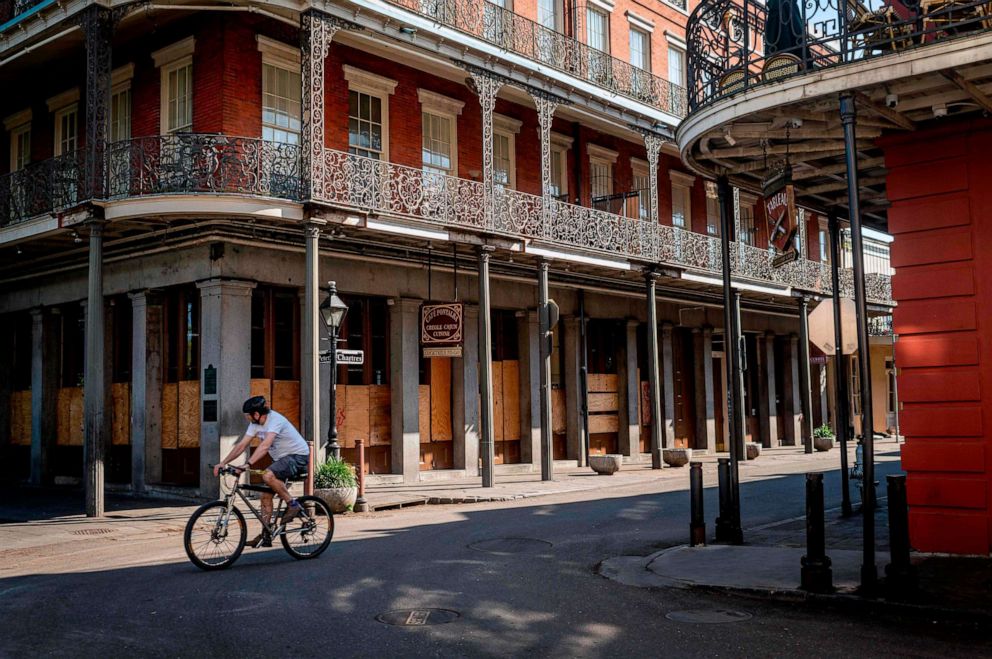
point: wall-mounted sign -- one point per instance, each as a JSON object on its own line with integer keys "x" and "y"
{"x": 353, "y": 357}
{"x": 441, "y": 329}
{"x": 210, "y": 380}
{"x": 780, "y": 210}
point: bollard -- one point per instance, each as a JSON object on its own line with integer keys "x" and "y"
{"x": 361, "y": 505}
{"x": 697, "y": 523}
{"x": 724, "y": 532}
{"x": 900, "y": 573}
{"x": 817, "y": 577}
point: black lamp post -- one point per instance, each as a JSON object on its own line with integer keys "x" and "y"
{"x": 332, "y": 312}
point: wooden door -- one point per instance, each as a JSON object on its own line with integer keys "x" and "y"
{"x": 436, "y": 436}
{"x": 684, "y": 380}
{"x": 720, "y": 402}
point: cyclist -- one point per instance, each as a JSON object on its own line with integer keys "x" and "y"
{"x": 290, "y": 457}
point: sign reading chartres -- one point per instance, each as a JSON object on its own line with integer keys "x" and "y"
{"x": 441, "y": 332}
{"x": 780, "y": 209}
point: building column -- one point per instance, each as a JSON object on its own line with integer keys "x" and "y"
{"x": 486, "y": 85}
{"x": 630, "y": 395}
{"x": 465, "y": 415}
{"x": 487, "y": 447}
{"x": 404, "y": 384}
{"x": 705, "y": 410}
{"x": 573, "y": 389}
{"x": 546, "y": 105}
{"x": 312, "y": 330}
{"x": 146, "y": 390}
{"x": 528, "y": 349}
{"x": 98, "y": 28}
{"x": 654, "y": 373}
{"x": 821, "y": 393}
{"x": 652, "y": 144}
{"x": 317, "y": 29}
{"x": 44, "y": 393}
{"x": 806, "y": 394}
{"x": 668, "y": 377}
{"x": 794, "y": 406}
{"x": 94, "y": 381}
{"x": 771, "y": 396}
{"x": 225, "y": 353}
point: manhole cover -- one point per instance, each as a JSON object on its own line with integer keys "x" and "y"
{"x": 92, "y": 531}
{"x": 418, "y": 617}
{"x": 708, "y": 616}
{"x": 510, "y": 545}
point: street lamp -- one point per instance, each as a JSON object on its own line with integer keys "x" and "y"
{"x": 332, "y": 312}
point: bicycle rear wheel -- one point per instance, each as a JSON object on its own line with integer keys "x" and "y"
{"x": 210, "y": 542}
{"x": 309, "y": 533}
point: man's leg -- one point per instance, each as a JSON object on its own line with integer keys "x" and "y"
{"x": 272, "y": 481}
{"x": 263, "y": 539}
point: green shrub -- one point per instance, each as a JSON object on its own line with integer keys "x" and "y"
{"x": 823, "y": 431}
{"x": 334, "y": 473}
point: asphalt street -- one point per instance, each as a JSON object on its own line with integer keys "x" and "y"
{"x": 520, "y": 575}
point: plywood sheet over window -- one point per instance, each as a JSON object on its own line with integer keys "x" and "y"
{"x": 20, "y": 418}
{"x": 181, "y": 414}
{"x": 558, "y": 413}
{"x": 604, "y": 405}
{"x": 69, "y": 420}
{"x": 380, "y": 420}
{"x": 286, "y": 400}
{"x": 121, "y": 426}
{"x": 434, "y": 403}
{"x": 363, "y": 412}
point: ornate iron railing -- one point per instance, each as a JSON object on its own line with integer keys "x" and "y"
{"x": 520, "y": 35}
{"x": 44, "y": 187}
{"x": 737, "y": 44}
{"x": 12, "y": 8}
{"x": 199, "y": 163}
{"x": 880, "y": 326}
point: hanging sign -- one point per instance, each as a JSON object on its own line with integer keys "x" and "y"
{"x": 441, "y": 329}
{"x": 780, "y": 210}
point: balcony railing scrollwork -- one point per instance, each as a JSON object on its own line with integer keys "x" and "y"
{"x": 520, "y": 35}
{"x": 43, "y": 187}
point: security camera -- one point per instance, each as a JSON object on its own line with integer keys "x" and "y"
{"x": 939, "y": 110}
{"x": 891, "y": 100}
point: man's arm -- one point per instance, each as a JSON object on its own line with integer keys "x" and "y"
{"x": 262, "y": 449}
{"x": 238, "y": 449}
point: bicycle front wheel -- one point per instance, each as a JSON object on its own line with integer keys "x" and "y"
{"x": 213, "y": 539}
{"x": 309, "y": 533}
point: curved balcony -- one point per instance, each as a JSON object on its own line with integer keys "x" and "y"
{"x": 517, "y": 34}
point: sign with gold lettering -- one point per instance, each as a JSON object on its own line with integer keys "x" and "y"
{"x": 780, "y": 210}
{"x": 441, "y": 328}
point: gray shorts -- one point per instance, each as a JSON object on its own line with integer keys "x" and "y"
{"x": 290, "y": 466}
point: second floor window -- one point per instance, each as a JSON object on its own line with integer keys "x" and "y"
{"x": 824, "y": 245}
{"x": 712, "y": 209}
{"x": 598, "y": 29}
{"x": 365, "y": 125}
{"x": 120, "y": 115}
{"x": 20, "y": 147}
{"x": 549, "y": 14}
{"x": 641, "y": 183}
{"x": 559, "y": 184}
{"x": 640, "y": 49}
{"x": 503, "y": 159}
{"x": 437, "y": 151}
{"x": 747, "y": 229}
{"x": 601, "y": 179}
{"x": 179, "y": 97}
{"x": 676, "y": 66}
{"x": 66, "y": 130}
{"x": 280, "y": 104}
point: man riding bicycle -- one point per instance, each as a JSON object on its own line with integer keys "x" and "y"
{"x": 290, "y": 455}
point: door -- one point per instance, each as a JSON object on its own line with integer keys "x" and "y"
{"x": 720, "y": 402}
{"x": 603, "y": 397}
{"x": 683, "y": 376}
{"x": 436, "y": 438}
{"x": 506, "y": 387}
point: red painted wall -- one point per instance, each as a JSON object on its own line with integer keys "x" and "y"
{"x": 941, "y": 218}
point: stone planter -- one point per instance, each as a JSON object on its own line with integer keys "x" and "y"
{"x": 607, "y": 465}
{"x": 340, "y": 499}
{"x": 823, "y": 443}
{"x": 676, "y": 457}
{"x": 752, "y": 449}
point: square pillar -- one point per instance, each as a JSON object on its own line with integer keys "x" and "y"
{"x": 770, "y": 396}
{"x": 668, "y": 386}
{"x": 705, "y": 405}
{"x": 146, "y": 390}
{"x": 465, "y": 412}
{"x": 44, "y": 392}
{"x": 793, "y": 431}
{"x": 528, "y": 336}
{"x": 404, "y": 385}
{"x": 573, "y": 391}
{"x": 225, "y": 345}
{"x": 629, "y": 392}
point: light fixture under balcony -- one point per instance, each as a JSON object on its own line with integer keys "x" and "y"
{"x": 406, "y": 29}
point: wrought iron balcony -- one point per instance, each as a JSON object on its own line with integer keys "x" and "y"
{"x": 45, "y": 187}
{"x": 735, "y": 45}
{"x": 12, "y": 8}
{"x": 520, "y": 35}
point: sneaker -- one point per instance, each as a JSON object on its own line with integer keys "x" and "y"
{"x": 290, "y": 514}
{"x": 263, "y": 539}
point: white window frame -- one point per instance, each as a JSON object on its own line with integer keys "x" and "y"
{"x": 120, "y": 83}
{"x": 824, "y": 240}
{"x": 18, "y": 124}
{"x": 748, "y": 201}
{"x": 168, "y": 60}
{"x": 599, "y": 155}
{"x": 643, "y": 26}
{"x": 380, "y": 87}
{"x": 560, "y": 145}
{"x": 640, "y": 170}
{"x": 682, "y": 184}
{"x": 449, "y": 108}
{"x": 64, "y": 105}
{"x": 508, "y": 127}
{"x": 603, "y": 9}
{"x": 286, "y": 58}
{"x": 556, "y": 15}
{"x": 712, "y": 229}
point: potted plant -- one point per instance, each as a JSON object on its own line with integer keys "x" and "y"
{"x": 335, "y": 483}
{"x": 823, "y": 438}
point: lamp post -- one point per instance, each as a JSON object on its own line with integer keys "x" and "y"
{"x": 332, "y": 312}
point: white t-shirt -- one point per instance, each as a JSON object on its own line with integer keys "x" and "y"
{"x": 288, "y": 440}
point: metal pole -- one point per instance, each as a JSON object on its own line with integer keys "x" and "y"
{"x": 900, "y": 572}
{"x": 584, "y": 379}
{"x": 486, "y": 446}
{"x": 805, "y": 393}
{"x": 869, "y": 571}
{"x": 816, "y": 575}
{"x": 361, "y": 505}
{"x": 724, "y": 531}
{"x": 654, "y": 371}
{"x": 311, "y": 349}
{"x": 732, "y": 347}
{"x": 842, "y": 416}
{"x": 333, "y": 448}
{"x": 697, "y": 523}
{"x": 93, "y": 384}
{"x": 547, "y": 459}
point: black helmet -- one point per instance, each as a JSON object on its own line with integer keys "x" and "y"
{"x": 255, "y": 404}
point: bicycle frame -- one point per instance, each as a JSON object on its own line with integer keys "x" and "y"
{"x": 257, "y": 512}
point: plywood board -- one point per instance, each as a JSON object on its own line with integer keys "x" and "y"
{"x": 424, "y": 412}
{"x": 261, "y": 387}
{"x": 188, "y": 418}
{"x": 511, "y": 400}
{"x": 380, "y": 420}
{"x": 62, "y": 421}
{"x": 76, "y": 418}
{"x": 441, "y": 400}
{"x": 497, "y": 402}
{"x": 558, "y": 414}
{"x": 170, "y": 420}
{"x": 355, "y": 408}
{"x": 603, "y": 423}
{"x": 286, "y": 400}
{"x": 645, "y": 403}
{"x": 604, "y": 402}
{"x": 121, "y": 427}
{"x": 603, "y": 383}
{"x": 20, "y": 417}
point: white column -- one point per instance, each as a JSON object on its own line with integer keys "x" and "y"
{"x": 44, "y": 396}
{"x": 528, "y": 334}
{"x": 312, "y": 330}
{"x": 146, "y": 390}
{"x": 630, "y": 395}
{"x": 94, "y": 382}
{"x": 465, "y": 415}
{"x": 668, "y": 368}
{"x": 404, "y": 383}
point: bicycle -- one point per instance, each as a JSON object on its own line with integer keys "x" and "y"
{"x": 211, "y": 543}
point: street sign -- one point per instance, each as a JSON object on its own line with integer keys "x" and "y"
{"x": 356, "y": 357}
{"x": 821, "y": 326}
{"x": 443, "y": 351}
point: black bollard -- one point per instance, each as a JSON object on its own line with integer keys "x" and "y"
{"x": 900, "y": 573}
{"x": 817, "y": 577}
{"x": 724, "y": 524}
{"x": 697, "y": 523}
